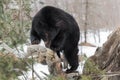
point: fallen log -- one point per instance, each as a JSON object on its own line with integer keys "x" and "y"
{"x": 49, "y": 57}
{"x": 46, "y": 56}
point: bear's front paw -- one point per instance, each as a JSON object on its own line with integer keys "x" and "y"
{"x": 71, "y": 70}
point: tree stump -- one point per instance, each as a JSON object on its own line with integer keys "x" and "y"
{"x": 106, "y": 60}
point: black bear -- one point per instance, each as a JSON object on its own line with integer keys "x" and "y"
{"x": 59, "y": 31}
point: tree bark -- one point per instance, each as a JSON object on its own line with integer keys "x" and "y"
{"x": 106, "y": 58}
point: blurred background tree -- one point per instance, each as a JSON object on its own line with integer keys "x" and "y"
{"x": 15, "y": 21}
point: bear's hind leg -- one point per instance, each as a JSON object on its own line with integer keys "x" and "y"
{"x": 72, "y": 57}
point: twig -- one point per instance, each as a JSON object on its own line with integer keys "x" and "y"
{"x": 44, "y": 73}
{"x": 107, "y": 74}
{"x": 33, "y": 70}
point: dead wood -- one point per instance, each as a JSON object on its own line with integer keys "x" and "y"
{"x": 106, "y": 58}
{"x": 86, "y": 44}
{"x": 46, "y": 56}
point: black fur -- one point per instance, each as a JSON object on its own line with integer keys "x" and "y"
{"x": 59, "y": 31}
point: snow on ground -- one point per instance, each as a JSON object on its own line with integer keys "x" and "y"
{"x": 39, "y": 68}
{"x": 89, "y": 51}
